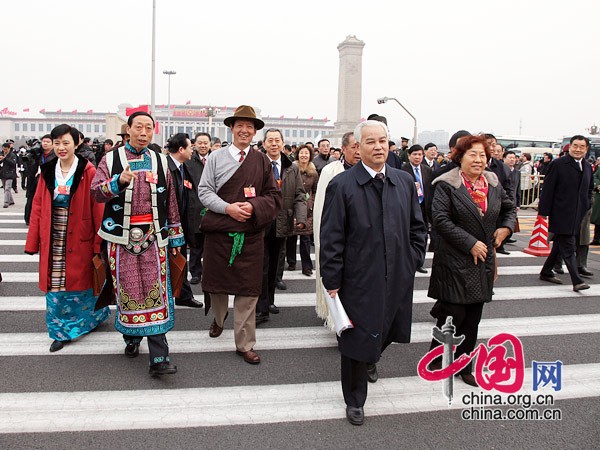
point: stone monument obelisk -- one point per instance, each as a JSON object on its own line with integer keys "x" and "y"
{"x": 349, "y": 87}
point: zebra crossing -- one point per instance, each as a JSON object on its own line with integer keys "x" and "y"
{"x": 90, "y": 386}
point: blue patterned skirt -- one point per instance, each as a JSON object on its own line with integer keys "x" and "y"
{"x": 71, "y": 314}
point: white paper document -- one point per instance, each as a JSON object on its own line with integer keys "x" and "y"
{"x": 341, "y": 321}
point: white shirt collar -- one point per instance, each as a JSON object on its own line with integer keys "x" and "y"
{"x": 177, "y": 163}
{"x": 371, "y": 171}
{"x": 277, "y": 161}
{"x": 235, "y": 152}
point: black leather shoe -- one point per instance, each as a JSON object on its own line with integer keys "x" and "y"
{"x": 511, "y": 241}
{"x": 190, "y": 302}
{"x": 132, "y": 350}
{"x": 163, "y": 368}
{"x": 558, "y": 270}
{"x": 469, "y": 379}
{"x": 291, "y": 267}
{"x": 501, "y": 250}
{"x": 280, "y": 285}
{"x": 355, "y": 415}
{"x": 57, "y": 345}
{"x": 273, "y": 309}
{"x": 261, "y": 317}
{"x": 580, "y": 287}
{"x": 307, "y": 272}
{"x": 584, "y": 272}
{"x": 372, "y": 375}
{"x": 550, "y": 279}
{"x": 195, "y": 280}
{"x": 421, "y": 270}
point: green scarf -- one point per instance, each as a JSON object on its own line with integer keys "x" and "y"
{"x": 238, "y": 243}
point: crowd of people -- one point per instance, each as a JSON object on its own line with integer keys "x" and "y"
{"x": 241, "y": 209}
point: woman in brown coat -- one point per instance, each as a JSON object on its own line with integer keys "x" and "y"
{"x": 310, "y": 178}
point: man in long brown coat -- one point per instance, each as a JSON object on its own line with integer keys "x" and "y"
{"x": 241, "y": 196}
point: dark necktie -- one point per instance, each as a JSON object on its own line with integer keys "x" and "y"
{"x": 378, "y": 182}
{"x": 203, "y": 161}
{"x": 242, "y": 153}
{"x": 275, "y": 170}
{"x": 182, "y": 173}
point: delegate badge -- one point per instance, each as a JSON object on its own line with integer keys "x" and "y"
{"x": 152, "y": 177}
{"x": 250, "y": 192}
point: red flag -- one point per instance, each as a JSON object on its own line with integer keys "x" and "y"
{"x": 325, "y": 119}
{"x": 281, "y": 117}
{"x": 188, "y": 102}
{"x": 89, "y": 111}
{"x": 172, "y": 106}
{"x": 74, "y": 111}
{"x": 311, "y": 118}
{"x": 362, "y": 119}
{"x": 157, "y": 127}
{"x": 142, "y": 108}
{"x": 59, "y": 111}
{"x": 223, "y": 108}
{"x": 43, "y": 111}
{"x": 162, "y": 106}
{"x": 25, "y": 109}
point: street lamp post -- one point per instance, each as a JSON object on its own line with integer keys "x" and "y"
{"x": 210, "y": 112}
{"x": 169, "y": 73}
{"x": 385, "y": 100}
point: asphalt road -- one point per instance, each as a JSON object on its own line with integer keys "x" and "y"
{"x": 90, "y": 396}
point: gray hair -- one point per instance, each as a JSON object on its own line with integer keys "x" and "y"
{"x": 346, "y": 138}
{"x": 369, "y": 123}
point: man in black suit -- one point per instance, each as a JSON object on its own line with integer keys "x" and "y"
{"x": 421, "y": 175}
{"x": 431, "y": 153}
{"x": 180, "y": 150}
{"x": 565, "y": 199}
{"x": 496, "y": 165}
{"x": 195, "y": 167}
{"x": 510, "y": 159}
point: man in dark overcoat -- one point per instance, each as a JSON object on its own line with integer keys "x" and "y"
{"x": 196, "y": 166}
{"x": 372, "y": 241}
{"x": 565, "y": 199}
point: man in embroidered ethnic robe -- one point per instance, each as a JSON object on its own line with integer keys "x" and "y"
{"x": 241, "y": 196}
{"x": 141, "y": 219}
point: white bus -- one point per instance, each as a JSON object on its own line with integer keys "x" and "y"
{"x": 510, "y": 142}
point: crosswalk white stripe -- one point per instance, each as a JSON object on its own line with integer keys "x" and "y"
{"x": 35, "y": 258}
{"x": 243, "y": 405}
{"x": 16, "y": 214}
{"x": 13, "y": 230}
{"x": 288, "y": 300}
{"x": 103, "y": 343}
{"x": 12, "y": 221}
{"x": 12, "y": 242}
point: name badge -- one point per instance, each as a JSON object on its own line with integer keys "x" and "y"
{"x": 152, "y": 177}
{"x": 250, "y": 192}
{"x": 64, "y": 190}
{"x": 419, "y": 190}
{"x": 187, "y": 184}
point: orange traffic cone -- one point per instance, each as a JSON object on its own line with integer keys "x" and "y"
{"x": 538, "y": 244}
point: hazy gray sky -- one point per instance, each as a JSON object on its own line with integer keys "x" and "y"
{"x": 479, "y": 65}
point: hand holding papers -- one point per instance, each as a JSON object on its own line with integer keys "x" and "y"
{"x": 340, "y": 318}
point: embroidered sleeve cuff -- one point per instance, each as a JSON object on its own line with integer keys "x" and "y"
{"x": 176, "y": 238}
{"x": 110, "y": 188}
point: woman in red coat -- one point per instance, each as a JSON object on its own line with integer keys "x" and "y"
{"x": 62, "y": 228}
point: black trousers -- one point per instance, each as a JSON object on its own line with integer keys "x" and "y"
{"x": 196, "y": 256}
{"x": 273, "y": 247}
{"x": 564, "y": 245}
{"x": 466, "y": 319}
{"x": 354, "y": 381}
{"x": 186, "y": 290}
{"x": 305, "y": 252}
{"x": 158, "y": 346}
{"x": 290, "y": 249}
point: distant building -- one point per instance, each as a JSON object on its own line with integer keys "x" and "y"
{"x": 189, "y": 119}
{"x": 439, "y": 137}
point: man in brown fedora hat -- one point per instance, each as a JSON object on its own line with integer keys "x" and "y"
{"x": 241, "y": 198}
